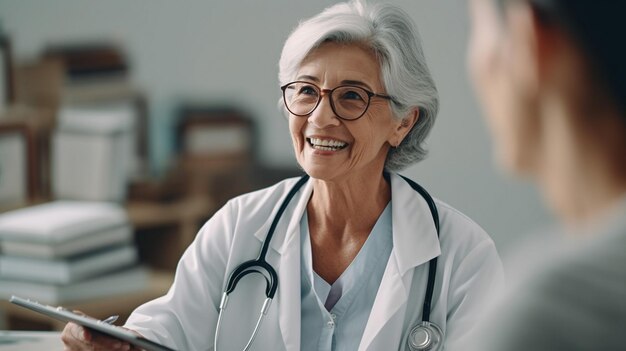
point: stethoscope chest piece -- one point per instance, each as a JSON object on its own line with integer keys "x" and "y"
{"x": 425, "y": 336}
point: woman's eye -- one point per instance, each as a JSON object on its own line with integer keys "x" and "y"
{"x": 351, "y": 95}
{"x": 307, "y": 90}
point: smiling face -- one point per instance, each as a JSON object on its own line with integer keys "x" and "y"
{"x": 329, "y": 148}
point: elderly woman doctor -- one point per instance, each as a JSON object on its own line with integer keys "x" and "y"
{"x": 347, "y": 250}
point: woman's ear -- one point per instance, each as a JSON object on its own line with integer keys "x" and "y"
{"x": 535, "y": 45}
{"x": 404, "y": 127}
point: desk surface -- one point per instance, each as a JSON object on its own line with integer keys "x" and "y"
{"x": 99, "y": 308}
{"x": 28, "y": 340}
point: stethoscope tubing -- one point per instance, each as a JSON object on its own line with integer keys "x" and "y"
{"x": 432, "y": 265}
{"x": 252, "y": 266}
{"x": 271, "y": 284}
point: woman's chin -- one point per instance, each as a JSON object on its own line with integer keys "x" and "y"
{"x": 321, "y": 173}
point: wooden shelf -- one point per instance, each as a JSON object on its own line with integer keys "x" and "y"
{"x": 163, "y": 230}
{"x": 148, "y": 214}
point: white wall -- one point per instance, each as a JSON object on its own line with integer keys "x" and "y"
{"x": 228, "y": 50}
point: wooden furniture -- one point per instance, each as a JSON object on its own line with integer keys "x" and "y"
{"x": 164, "y": 224}
{"x": 163, "y": 230}
{"x": 35, "y": 125}
{"x": 19, "y": 318}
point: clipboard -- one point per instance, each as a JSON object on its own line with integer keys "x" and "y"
{"x": 99, "y": 326}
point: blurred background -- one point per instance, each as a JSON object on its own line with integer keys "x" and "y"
{"x": 169, "y": 108}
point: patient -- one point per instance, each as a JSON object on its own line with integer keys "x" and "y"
{"x": 551, "y": 76}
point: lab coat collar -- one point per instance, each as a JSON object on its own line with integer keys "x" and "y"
{"x": 290, "y": 220}
{"x": 415, "y": 239}
{"x": 289, "y": 269}
{"x": 286, "y": 243}
{"x": 410, "y": 214}
{"x": 415, "y": 242}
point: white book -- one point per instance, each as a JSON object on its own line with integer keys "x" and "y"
{"x": 116, "y": 283}
{"x": 111, "y": 236}
{"x": 65, "y": 271}
{"x": 89, "y": 167}
{"x": 91, "y": 152}
{"x": 60, "y": 221}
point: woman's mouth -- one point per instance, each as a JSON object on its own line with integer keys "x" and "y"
{"x": 326, "y": 144}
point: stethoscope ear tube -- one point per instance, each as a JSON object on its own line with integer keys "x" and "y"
{"x": 260, "y": 262}
{"x": 246, "y": 268}
{"x": 279, "y": 214}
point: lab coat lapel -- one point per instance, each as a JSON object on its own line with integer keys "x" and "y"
{"x": 285, "y": 257}
{"x": 415, "y": 239}
{"x": 392, "y": 295}
{"x": 415, "y": 242}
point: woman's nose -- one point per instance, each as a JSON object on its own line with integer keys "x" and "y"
{"x": 323, "y": 115}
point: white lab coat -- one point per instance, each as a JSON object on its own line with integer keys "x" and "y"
{"x": 185, "y": 318}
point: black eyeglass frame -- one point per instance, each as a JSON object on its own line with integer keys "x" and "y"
{"x": 329, "y": 92}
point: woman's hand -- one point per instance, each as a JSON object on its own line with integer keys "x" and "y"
{"x": 78, "y": 338}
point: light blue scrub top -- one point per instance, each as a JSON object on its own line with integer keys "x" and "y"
{"x": 334, "y": 317}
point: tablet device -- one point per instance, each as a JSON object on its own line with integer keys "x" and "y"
{"x": 65, "y": 315}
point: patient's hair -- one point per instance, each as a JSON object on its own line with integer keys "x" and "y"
{"x": 599, "y": 29}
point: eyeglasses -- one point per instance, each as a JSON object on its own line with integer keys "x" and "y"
{"x": 348, "y": 102}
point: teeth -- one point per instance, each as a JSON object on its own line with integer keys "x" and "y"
{"x": 326, "y": 144}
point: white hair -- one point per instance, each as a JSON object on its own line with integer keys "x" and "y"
{"x": 391, "y": 34}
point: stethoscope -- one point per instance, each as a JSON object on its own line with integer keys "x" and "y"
{"x": 426, "y": 336}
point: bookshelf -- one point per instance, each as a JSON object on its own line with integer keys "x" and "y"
{"x": 164, "y": 222}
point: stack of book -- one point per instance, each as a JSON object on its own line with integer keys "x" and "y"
{"x": 96, "y": 77}
{"x": 68, "y": 251}
{"x": 90, "y": 154}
